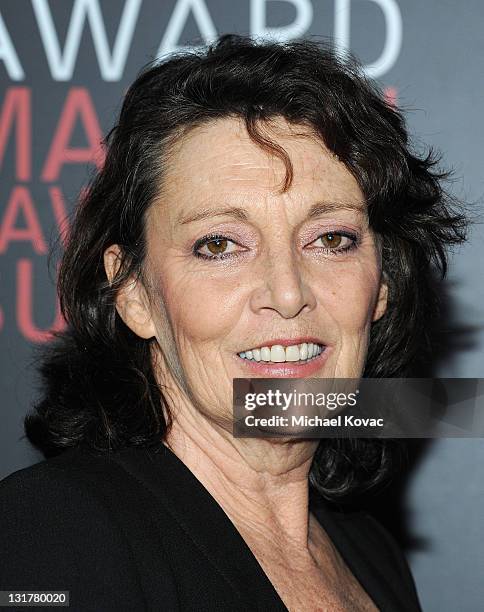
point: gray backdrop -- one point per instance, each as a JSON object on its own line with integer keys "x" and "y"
{"x": 64, "y": 66}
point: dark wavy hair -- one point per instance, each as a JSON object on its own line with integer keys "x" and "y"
{"x": 98, "y": 384}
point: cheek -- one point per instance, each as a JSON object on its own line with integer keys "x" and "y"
{"x": 348, "y": 296}
{"x": 201, "y": 308}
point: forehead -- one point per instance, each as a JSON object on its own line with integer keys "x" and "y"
{"x": 220, "y": 158}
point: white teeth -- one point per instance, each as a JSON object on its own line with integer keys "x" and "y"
{"x": 293, "y": 353}
{"x": 265, "y": 353}
{"x": 279, "y": 354}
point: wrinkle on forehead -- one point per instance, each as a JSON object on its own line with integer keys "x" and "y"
{"x": 242, "y": 164}
{"x": 212, "y": 157}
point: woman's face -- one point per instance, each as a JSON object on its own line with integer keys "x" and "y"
{"x": 237, "y": 267}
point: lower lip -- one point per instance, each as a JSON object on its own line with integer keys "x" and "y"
{"x": 287, "y": 369}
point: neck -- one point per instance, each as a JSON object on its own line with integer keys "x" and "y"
{"x": 261, "y": 484}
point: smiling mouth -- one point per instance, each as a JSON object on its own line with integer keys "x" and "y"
{"x": 296, "y": 353}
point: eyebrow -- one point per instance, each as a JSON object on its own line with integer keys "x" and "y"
{"x": 242, "y": 214}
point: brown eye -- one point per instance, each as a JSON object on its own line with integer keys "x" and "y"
{"x": 336, "y": 242}
{"x": 330, "y": 240}
{"x": 217, "y": 246}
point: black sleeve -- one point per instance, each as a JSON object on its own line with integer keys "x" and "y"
{"x": 55, "y": 534}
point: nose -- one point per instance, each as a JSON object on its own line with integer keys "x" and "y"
{"x": 282, "y": 286}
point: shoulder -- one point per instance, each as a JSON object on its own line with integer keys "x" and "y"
{"x": 366, "y": 531}
{"x": 370, "y": 551}
{"x": 76, "y": 473}
{"x": 49, "y": 469}
{"x": 366, "y": 538}
{"x": 353, "y": 520}
{"x": 71, "y": 483}
{"x": 59, "y": 529}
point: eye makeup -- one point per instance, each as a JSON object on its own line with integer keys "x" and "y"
{"x": 219, "y": 246}
{"x": 335, "y": 242}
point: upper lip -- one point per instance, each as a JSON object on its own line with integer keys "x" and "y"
{"x": 287, "y": 342}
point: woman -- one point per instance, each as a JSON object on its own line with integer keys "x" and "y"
{"x": 259, "y": 214}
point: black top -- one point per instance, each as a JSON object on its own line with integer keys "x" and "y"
{"x": 135, "y": 530}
